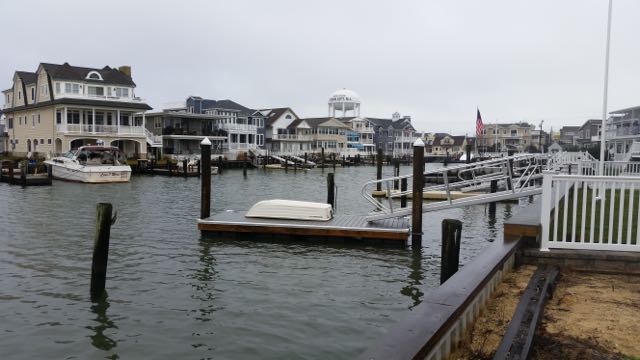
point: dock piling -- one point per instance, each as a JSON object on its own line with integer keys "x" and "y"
{"x": 450, "y": 253}
{"x": 333, "y": 160}
{"x": 379, "y": 169}
{"x": 396, "y": 172}
{"x": 49, "y": 172}
{"x": 205, "y": 191}
{"x": 331, "y": 190}
{"x": 403, "y": 188}
{"x": 418, "y": 184}
{"x": 305, "y": 159}
{"x": 100, "y": 250}
{"x": 23, "y": 173}
{"x": 185, "y": 164}
{"x": 493, "y": 189}
{"x": 322, "y": 156}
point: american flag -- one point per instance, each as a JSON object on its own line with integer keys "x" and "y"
{"x": 479, "y": 124}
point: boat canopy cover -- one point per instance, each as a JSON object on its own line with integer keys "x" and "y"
{"x": 291, "y": 209}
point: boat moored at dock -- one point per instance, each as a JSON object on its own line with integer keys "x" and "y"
{"x": 90, "y": 164}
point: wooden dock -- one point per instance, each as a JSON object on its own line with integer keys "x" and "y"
{"x": 340, "y": 227}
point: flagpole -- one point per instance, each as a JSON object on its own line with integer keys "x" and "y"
{"x": 603, "y": 128}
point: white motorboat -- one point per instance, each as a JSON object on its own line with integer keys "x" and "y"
{"x": 291, "y": 209}
{"x": 90, "y": 164}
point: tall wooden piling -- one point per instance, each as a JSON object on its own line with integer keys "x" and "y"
{"x": 185, "y": 167}
{"x": 333, "y": 160}
{"x": 331, "y": 190}
{"x": 493, "y": 189}
{"x": 11, "y": 178}
{"x": 468, "y": 150}
{"x": 305, "y": 159}
{"x": 418, "y": 184}
{"x": 396, "y": 172}
{"x": 379, "y": 169}
{"x": 23, "y": 173}
{"x": 50, "y": 173}
{"x": 205, "y": 190}
{"x": 403, "y": 188}
{"x": 100, "y": 250}
{"x": 219, "y": 163}
{"x": 322, "y": 156}
{"x": 450, "y": 253}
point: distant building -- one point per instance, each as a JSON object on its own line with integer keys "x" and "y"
{"x": 60, "y": 107}
{"x": 589, "y": 133}
{"x": 394, "y": 136}
{"x": 569, "y": 136}
{"x": 623, "y": 129}
{"x": 515, "y": 137}
{"x": 445, "y": 145}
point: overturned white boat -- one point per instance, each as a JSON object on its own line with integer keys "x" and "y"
{"x": 90, "y": 164}
{"x": 291, "y": 209}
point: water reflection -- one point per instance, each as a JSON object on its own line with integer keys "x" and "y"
{"x": 205, "y": 275}
{"x": 99, "y": 339}
{"x": 416, "y": 278}
{"x": 492, "y": 220}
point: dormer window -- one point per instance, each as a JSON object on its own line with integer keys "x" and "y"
{"x": 94, "y": 75}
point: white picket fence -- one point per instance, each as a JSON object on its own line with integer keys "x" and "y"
{"x": 590, "y": 212}
{"x": 611, "y": 168}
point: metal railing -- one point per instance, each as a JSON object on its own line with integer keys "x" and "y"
{"x": 517, "y": 175}
{"x": 590, "y": 212}
{"x": 239, "y": 127}
{"x": 152, "y": 138}
{"x": 291, "y": 137}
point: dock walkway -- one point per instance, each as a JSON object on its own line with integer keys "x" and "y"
{"x": 340, "y": 227}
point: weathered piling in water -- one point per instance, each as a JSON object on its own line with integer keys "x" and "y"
{"x": 11, "y": 178}
{"x": 468, "y": 149}
{"x": 403, "y": 188}
{"x": 49, "y": 172}
{"x": 305, "y": 159}
{"x": 418, "y": 184}
{"x": 379, "y": 169}
{"x": 396, "y": 172}
{"x": 510, "y": 172}
{"x": 185, "y": 169}
{"x": 23, "y": 173}
{"x": 198, "y": 163}
{"x": 331, "y": 190}
{"x": 493, "y": 189}
{"x": 322, "y": 156}
{"x": 450, "y": 253}
{"x": 333, "y": 160}
{"x": 205, "y": 188}
{"x": 100, "y": 250}
{"x": 220, "y": 165}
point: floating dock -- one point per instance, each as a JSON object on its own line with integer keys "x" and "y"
{"x": 339, "y": 227}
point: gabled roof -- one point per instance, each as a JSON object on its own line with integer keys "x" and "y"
{"x": 591, "y": 122}
{"x": 77, "y": 73}
{"x": 27, "y": 77}
{"x": 385, "y": 123}
{"x": 316, "y": 122}
{"x": 208, "y": 104}
{"x": 274, "y": 114}
{"x": 402, "y": 124}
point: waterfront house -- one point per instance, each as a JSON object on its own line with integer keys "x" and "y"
{"x": 623, "y": 129}
{"x": 394, "y": 136}
{"x": 233, "y": 129}
{"x": 444, "y": 145}
{"x": 510, "y": 137}
{"x": 359, "y": 136}
{"x": 325, "y": 133}
{"x": 589, "y": 133}
{"x": 60, "y": 107}
{"x": 279, "y": 137}
{"x": 569, "y": 136}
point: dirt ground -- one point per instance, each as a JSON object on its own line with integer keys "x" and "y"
{"x": 485, "y": 336}
{"x": 591, "y": 316}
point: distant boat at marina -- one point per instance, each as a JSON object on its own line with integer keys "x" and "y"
{"x": 90, "y": 164}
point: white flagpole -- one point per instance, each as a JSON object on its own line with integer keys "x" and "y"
{"x": 603, "y": 128}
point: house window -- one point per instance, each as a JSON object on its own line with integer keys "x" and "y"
{"x": 10, "y": 123}
{"x": 158, "y": 124}
{"x": 123, "y": 92}
{"x": 514, "y": 132}
{"x": 73, "y": 116}
{"x": 33, "y": 93}
{"x": 33, "y": 120}
{"x": 41, "y": 141}
{"x": 71, "y": 88}
{"x": 125, "y": 118}
{"x": 260, "y": 139}
{"x": 57, "y": 88}
{"x": 58, "y": 116}
{"x": 43, "y": 89}
{"x": 96, "y": 90}
{"x": 19, "y": 95}
{"x": 94, "y": 76}
{"x": 48, "y": 141}
{"x": 38, "y": 118}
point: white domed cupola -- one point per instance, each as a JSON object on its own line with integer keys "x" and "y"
{"x": 344, "y": 100}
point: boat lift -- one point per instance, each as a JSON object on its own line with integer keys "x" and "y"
{"x": 517, "y": 176}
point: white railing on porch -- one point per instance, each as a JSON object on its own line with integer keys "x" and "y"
{"x": 101, "y": 129}
{"x": 590, "y": 212}
{"x": 611, "y": 168}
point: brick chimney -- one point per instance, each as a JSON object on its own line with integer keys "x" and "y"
{"x": 125, "y": 69}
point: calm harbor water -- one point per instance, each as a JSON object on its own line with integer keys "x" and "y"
{"x": 173, "y": 295}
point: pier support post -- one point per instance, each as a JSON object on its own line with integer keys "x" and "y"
{"x": 396, "y": 172}
{"x": 450, "y": 254}
{"x": 468, "y": 149}
{"x": 418, "y": 184}
{"x": 100, "y": 250}
{"x": 379, "y": 169}
{"x": 12, "y": 179}
{"x": 205, "y": 191}
{"x": 185, "y": 170}
{"x": 50, "y": 173}
{"x": 322, "y": 156}
{"x": 305, "y": 159}
{"x": 403, "y": 188}
{"x": 331, "y": 190}
{"x": 493, "y": 189}
{"x": 219, "y": 164}
{"x": 23, "y": 173}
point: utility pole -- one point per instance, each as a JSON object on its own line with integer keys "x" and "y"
{"x": 540, "y": 137}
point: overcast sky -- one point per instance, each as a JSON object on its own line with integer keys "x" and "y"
{"x": 434, "y": 60}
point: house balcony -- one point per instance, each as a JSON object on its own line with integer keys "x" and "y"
{"x": 129, "y": 99}
{"x": 624, "y": 131}
{"x": 406, "y": 139}
{"x": 239, "y": 127}
{"x": 102, "y": 130}
{"x": 291, "y": 137}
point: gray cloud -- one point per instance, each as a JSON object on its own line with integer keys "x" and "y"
{"x": 435, "y": 60}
